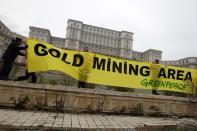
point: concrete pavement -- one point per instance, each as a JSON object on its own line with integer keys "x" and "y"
{"x": 36, "y": 120}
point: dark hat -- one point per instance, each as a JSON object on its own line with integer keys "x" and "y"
{"x": 156, "y": 61}
{"x": 18, "y": 40}
{"x": 86, "y": 49}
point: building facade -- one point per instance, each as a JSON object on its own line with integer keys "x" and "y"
{"x": 148, "y": 55}
{"x": 5, "y": 37}
{"x": 99, "y": 40}
{"x": 45, "y": 35}
{"x": 188, "y": 62}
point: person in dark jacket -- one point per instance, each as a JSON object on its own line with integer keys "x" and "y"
{"x": 27, "y": 75}
{"x": 9, "y": 57}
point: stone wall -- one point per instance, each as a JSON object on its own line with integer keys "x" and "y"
{"x": 71, "y": 99}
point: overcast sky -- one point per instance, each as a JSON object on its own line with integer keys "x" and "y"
{"x": 166, "y": 25}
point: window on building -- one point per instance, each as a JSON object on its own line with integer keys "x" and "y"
{"x": 108, "y": 42}
{"x": 127, "y": 46}
{"x": 101, "y": 40}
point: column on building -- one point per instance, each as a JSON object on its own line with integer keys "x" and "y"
{"x": 73, "y": 35}
{"x": 126, "y": 44}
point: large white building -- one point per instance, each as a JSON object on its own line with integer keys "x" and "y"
{"x": 99, "y": 40}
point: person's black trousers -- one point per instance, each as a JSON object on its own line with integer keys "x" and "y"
{"x": 27, "y": 75}
{"x": 154, "y": 92}
{"x": 81, "y": 84}
{"x": 7, "y": 67}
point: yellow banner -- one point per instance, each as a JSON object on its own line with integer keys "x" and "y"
{"x": 106, "y": 70}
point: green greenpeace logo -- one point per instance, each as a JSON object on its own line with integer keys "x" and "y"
{"x": 162, "y": 84}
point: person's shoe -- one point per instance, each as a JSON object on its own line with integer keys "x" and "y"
{"x": 154, "y": 92}
{"x": 3, "y": 77}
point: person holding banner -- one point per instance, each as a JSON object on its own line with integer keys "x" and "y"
{"x": 27, "y": 74}
{"x": 84, "y": 69}
{"x": 155, "y": 70}
{"x": 9, "y": 57}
